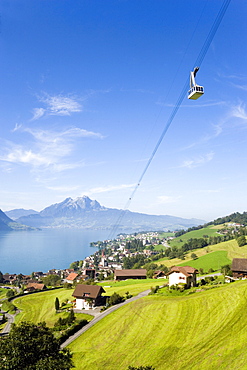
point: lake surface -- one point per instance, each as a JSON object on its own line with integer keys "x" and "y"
{"x": 28, "y": 251}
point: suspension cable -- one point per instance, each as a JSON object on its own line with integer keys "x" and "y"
{"x": 198, "y": 63}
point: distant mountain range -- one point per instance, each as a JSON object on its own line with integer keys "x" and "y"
{"x": 85, "y": 213}
{"x": 7, "y": 224}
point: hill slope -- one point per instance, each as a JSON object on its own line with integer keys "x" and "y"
{"x": 6, "y": 224}
{"x": 205, "y": 331}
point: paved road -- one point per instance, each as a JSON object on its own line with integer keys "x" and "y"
{"x": 6, "y": 328}
{"x": 101, "y": 315}
{"x": 204, "y": 276}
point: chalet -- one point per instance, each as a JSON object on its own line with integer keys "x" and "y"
{"x": 9, "y": 278}
{"x": 71, "y": 277}
{"x": 88, "y": 296}
{"x": 32, "y": 287}
{"x": 130, "y": 274}
{"x": 239, "y": 268}
{"x": 182, "y": 275}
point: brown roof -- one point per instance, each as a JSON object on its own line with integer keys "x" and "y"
{"x": 90, "y": 291}
{"x": 186, "y": 270}
{"x": 239, "y": 264}
{"x": 72, "y": 276}
{"x": 35, "y": 286}
{"x": 130, "y": 272}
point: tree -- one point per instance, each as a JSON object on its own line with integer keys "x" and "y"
{"x": 71, "y": 317}
{"x": 30, "y": 346}
{"x": 74, "y": 265}
{"x": 241, "y": 241}
{"x": 226, "y": 270}
{"x": 57, "y": 305}
{"x": 10, "y": 293}
{"x": 51, "y": 280}
{"x": 193, "y": 256}
{"x": 115, "y": 298}
{"x": 1, "y": 277}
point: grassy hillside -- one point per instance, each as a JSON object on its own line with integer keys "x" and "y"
{"x": 213, "y": 260}
{"x": 206, "y": 331}
{"x": 3, "y": 293}
{"x": 230, "y": 247}
{"x": 133, "y": 286}
{"x": 209, "y": 231}
{"x": 41, "y": 307}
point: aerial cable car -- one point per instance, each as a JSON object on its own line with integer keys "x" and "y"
{"x": 195, "y": 90}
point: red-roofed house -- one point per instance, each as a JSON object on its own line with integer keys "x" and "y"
{"x": 31, "y": 287}
{"x": 71, "y": 277}
{"x": 182, "y": 275}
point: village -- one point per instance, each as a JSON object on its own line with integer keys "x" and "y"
{"x": 109, "y": 256}
{"x": 129, "y": 256}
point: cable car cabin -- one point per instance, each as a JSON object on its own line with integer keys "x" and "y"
{"x": 195, "y": 92}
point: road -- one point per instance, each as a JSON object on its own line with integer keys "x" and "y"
{"x": 101, "y": 315}
{"x": 6, "y": 328}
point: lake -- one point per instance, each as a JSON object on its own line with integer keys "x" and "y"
{"x": 28, "y": 251}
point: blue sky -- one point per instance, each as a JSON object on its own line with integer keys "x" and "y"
{"x": 86, "y": 89}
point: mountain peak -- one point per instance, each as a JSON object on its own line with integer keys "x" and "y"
{"x": 71, "y": 207}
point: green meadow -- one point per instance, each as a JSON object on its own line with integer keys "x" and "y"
{"x": 204, "y": 330}
{"x": 40, "y": 307}
{"x": 209, "y": 231}
{"x": 133, "y": 286}
{"x": 230, "y": 247}
{"x": 3, "y": 293}
{"x": 212, "y": 260}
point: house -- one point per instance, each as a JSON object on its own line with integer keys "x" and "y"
{"x": 31, "y": 287}
{"x": 182, "y": 275}
{"x": 88, "y": 296}
{"x": 71, "y": 277}
{"x": 239, "y": 268}
{"x": 159, "y": 274}
{"x": 130, "y": 274}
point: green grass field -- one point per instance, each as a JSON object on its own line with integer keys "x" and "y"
{"x": 205, "y": 330}
{"x": 231, "y": 247}
{"x": 212, "y": 260}
{"x": 209, "y": 231}
{"x": 3, "y": 293}
{"x": 41, "y": 307}
{"x": 133, "y": 286}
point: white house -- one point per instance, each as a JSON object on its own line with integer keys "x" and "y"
{"x": 87, "y": 296}
{"x": 182, "y": 275}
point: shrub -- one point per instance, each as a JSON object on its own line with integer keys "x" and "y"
{"x": 115, "y": 298}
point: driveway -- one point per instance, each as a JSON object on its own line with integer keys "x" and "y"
{"x": 6, "y": 328}
{"x": 100, "y": 315}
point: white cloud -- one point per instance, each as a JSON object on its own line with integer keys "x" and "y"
{"x": 164, "y": 199}
{"x": 196, "y": 162}
{"x": 57, "y": 105}
{"x": 37, "y": 113}
{"x": 16, "y": 128}
{"x": 46, "y": 149}
{"x": 109, "y": 188}
{"x": 63, "y": 189}
{"x": 241, "y": 87}
{"x": 239, "y": 111}
{"x": 209, "y": 191}
{"x": 61, "y": 105}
